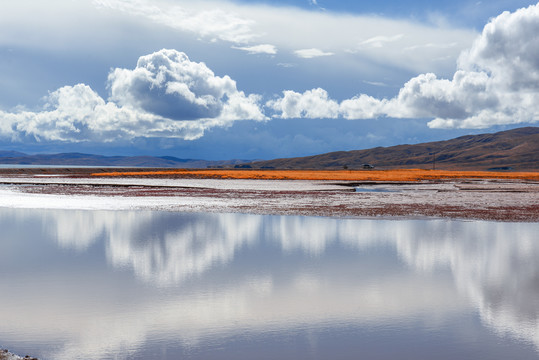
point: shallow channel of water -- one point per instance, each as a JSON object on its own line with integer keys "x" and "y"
{"x": 161, "y": 285}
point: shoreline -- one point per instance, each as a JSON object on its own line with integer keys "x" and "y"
{"x": 444, "y": 195}
{"x": 7, "y": 355}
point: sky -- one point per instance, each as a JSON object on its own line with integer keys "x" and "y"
{"x": 261, "y": 79}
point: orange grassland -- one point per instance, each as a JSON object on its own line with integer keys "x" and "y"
{"x": 344, "y": 175}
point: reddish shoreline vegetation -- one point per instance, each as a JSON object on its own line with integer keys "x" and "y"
{"x": 348, "y": 175}
{"x": 499, "y": 196}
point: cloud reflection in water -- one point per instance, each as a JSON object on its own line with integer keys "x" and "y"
{"x": 203, "y": 274}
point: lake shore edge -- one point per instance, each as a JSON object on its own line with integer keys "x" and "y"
{"x": 406, "y": 193}
{"x": 7, "y": 355}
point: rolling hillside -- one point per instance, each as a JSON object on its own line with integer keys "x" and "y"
{"x": 516, "y": 149}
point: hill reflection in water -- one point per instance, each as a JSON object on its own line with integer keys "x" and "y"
{"x": 98, "y": 284}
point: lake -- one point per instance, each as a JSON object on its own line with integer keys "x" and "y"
{"x": 165, "y": 285}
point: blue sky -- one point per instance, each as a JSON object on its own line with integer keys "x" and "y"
{"x": 261, "y": 79}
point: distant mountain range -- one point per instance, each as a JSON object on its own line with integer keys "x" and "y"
{"x": 516, "y": 149}
{"x": 78, "y": 159}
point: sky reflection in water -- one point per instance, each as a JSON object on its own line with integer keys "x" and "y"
{"x": 101, "y": 285}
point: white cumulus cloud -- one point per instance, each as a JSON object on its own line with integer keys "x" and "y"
{"x": 258, "y": 49}
{"x": 311, "y": 53}
{"x": 167, "y": 83}
{"x": 496, "y": 82}
{"x": 166, "y": 95}
{"x": 77, "y": 113}
{"x": 313, "y": 103}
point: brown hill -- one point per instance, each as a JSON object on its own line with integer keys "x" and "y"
{"x": 516, "y": 149}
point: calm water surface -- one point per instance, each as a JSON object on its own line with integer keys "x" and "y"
{"x": 158, "y": 285}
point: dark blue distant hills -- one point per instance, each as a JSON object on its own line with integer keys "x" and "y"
{"x": 516, "y": 149}
{"x": 79, "y": 159}
{"x": 11, "y": 154}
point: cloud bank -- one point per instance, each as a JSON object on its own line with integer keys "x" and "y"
{"x": 214, "y": 24}
{"x": 496, "y": 83}
{"x": 165, "y": 95}
{"x": 292, "y": 31}
{"x": 169, "y": 96}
